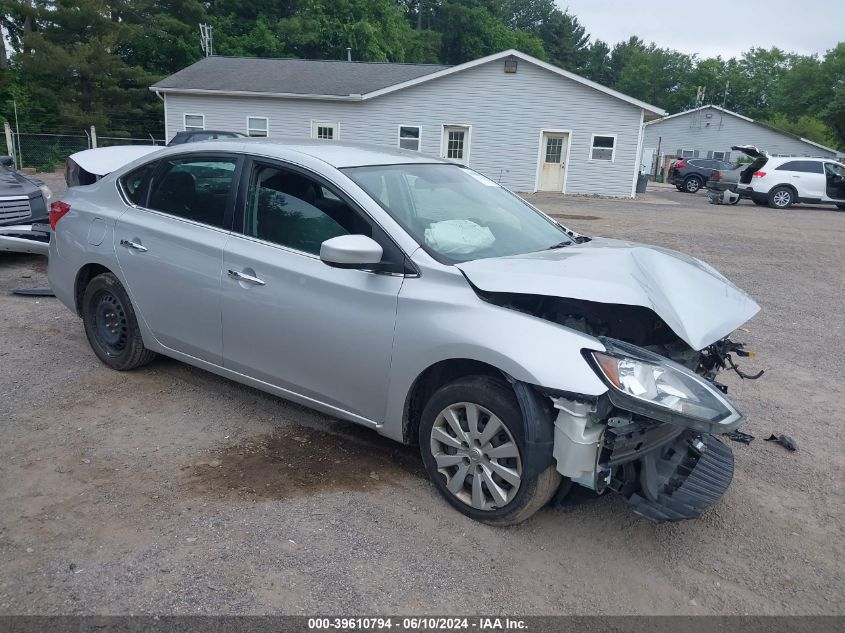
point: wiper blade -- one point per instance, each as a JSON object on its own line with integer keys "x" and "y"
{"x": 560, "y": 245}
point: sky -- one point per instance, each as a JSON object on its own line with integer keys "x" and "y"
{"x": 716, "y": 27}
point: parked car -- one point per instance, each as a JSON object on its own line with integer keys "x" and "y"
{"x": 690, "y": 174}
{"x": 781, "y": 181}
{"x": 192, "y": 136}
{"x": 23, "y": 211}
{"x": 89, "y": 165}
{"x": 418, "y": 298}
{"x": 722, "y": 185}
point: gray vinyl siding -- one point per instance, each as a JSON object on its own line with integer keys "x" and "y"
{"x": 692, "y": 132}
{"x": 506, "y": 114}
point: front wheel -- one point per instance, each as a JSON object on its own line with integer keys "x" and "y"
{"x": 111, "y": 325}
{"x": 473, "y": 447}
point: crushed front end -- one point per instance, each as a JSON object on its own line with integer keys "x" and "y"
{"x": 653, "y": 437}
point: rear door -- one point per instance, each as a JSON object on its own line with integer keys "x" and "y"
{"x": 169, "y": 245}
{"x": 289, "y": 319}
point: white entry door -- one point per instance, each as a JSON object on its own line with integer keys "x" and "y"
{"x": 553, "y": 161}
{"x": 455, "y": 143}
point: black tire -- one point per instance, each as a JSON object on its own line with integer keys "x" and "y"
{"x": 692, "y": 184}
{"x": 781, "y": 198}
{"x": 760, "y": 203}
{"x": 497, "y": 397}
{"x": 111, "y": 325}
{"x": 679, "y": 188}
{"x": 841, "y": 207}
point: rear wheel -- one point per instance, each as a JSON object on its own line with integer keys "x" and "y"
{"x": 111, "y": 325}
{"x": 781, "y": 198}
{"x": 841, "y": 207}
{"x": 693, "y": 184}
{"x": 473, "y": 447}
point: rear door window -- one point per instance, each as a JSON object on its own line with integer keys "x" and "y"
{"x": 136, "y": 183}
{"x": 196, "y": 188}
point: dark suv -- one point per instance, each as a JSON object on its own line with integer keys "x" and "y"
{"x": 690, "y": 174}
{"x": 192, "y": 136}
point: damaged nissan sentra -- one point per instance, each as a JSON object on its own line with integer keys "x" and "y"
{"x": 421, "y": 299}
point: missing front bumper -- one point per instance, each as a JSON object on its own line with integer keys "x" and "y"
{"x": 679, "y": 481}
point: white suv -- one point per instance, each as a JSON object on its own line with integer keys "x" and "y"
{"x": 781, "y": 181}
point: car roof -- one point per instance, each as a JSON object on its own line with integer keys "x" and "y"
{"x": 335, "y": 153}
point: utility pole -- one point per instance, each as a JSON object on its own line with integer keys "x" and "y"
{"x": 725, "y": 96}
{"x": 207, "y": 39}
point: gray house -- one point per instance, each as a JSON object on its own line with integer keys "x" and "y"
{"x": 516, "y": 119}
{"x": 710, "y": 131}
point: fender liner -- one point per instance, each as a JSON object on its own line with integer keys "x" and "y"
{"x": 538, "y": 420}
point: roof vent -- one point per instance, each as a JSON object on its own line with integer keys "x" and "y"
{"x": 510, "y": 65}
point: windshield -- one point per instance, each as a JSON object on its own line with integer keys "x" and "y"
{"x": 456, "y": 214}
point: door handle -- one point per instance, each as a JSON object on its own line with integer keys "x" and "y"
{"x": 234, "y": 274}
{"x": 133, "y": 245}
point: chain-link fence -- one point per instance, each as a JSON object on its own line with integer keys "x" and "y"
{"x": 47, "y": 152}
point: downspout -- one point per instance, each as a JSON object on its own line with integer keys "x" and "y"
{"x": 164, "y": 100}
{"x": 638, "y": 159}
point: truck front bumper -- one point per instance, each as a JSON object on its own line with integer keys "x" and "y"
{"x": 25, "y": 238}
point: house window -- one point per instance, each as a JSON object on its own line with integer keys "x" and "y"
{"x": 257, "y": 126}
{"x": 193, "y": 122}
{"x": 325, "y": 130}
{"x": 409, "y": 137}
{"x": 723, "y": 156}
{"x": 603, "y": 147}
{"x": 455, "y": 144}
{"x": 688, "y": 153}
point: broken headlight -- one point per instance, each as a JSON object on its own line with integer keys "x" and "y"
{"x": 658, "y": 388}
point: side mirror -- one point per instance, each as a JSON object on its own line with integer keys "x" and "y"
{"x": 351, "y": 251}
{"x": 7, "y": 161}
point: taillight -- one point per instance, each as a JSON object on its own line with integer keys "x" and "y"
{"x": 57, "y": 212}
{"x": 717, "y": 175}
{"x": 681, "y": 164}
{"x": 759, "y": 174}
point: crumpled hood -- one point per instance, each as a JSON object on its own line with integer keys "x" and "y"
{"x": 695, "y": 300}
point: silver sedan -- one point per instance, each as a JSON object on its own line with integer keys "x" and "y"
{"x": 421, "y": 299}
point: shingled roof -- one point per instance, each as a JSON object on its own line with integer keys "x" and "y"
{"x": 349, "y": 81}
{"x": 292, "y": 76}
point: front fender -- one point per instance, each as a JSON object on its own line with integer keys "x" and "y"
{"x": 439, "y": 318}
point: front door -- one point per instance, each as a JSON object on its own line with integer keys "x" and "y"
{"x": 170, "y": 247}
{"x": 289, "y": 319}
{"x": 553, "y": 161}
{"x": 455, "y": 143}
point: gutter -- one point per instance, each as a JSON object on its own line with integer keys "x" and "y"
{"x": 248, "y": 93}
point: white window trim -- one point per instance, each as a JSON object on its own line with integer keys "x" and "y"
{"x": 541, "y": 152}
{"x": 590, "y": 158}
{"x": 317, "y": 122}
{"x": 467, "y": 142}
{"x": 185, "y": 116}
{"x": 399, "y": 134}
{"x": 266, "y": 121}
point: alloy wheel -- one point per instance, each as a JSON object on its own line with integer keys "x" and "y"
{"x": 477, "y": 454}
{"x": 782, "y": 198}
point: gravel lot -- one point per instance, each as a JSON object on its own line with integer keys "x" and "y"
{"x": 169, "y": 490}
